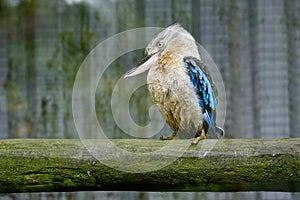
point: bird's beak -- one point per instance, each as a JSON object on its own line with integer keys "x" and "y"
{"x": 144, "y": 66}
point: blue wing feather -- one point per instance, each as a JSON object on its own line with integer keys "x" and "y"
{"x": 204, "y": 89}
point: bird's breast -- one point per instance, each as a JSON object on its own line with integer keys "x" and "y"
{"x": 165, "y": 81}
{"x": 173, "y": 93}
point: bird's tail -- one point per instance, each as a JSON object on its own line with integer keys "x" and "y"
{"x": 220, "y": 133}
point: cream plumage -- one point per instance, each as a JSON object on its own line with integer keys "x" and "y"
{"x": 180, "y": 83}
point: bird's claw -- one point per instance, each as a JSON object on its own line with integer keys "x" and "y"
{"x": 197, "y": 139}
{"x": 169, "y": 137}
{"x": 194, "y": 142}
{"x": 166, "y": 138}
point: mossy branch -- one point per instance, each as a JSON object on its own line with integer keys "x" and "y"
{"x": 32, "y": 165}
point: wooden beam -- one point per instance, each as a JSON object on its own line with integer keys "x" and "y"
{"x": 35, "y": 165}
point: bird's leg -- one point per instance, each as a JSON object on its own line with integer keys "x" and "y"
{"x": 198, "y": 138}
{"x": 169, "y": 137}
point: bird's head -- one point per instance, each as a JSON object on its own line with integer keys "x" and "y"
{"x": 173, "y": 39}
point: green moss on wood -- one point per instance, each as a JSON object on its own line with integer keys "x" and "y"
{"x": 33, "y": 165}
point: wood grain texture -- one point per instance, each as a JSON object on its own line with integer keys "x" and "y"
{"x": 34, "y": 165}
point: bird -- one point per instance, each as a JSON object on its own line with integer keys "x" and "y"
{"x": 180, "y": 84}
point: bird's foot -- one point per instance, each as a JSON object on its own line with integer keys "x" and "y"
{"x": 201, "y": 137}
{"x": 166, "y": 138}
{"x": 169, "y": 137}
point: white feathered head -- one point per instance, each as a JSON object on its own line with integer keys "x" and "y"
{"x": 173, "y": 39}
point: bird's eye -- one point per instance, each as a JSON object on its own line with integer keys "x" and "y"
{"x": 160, "y": 44}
